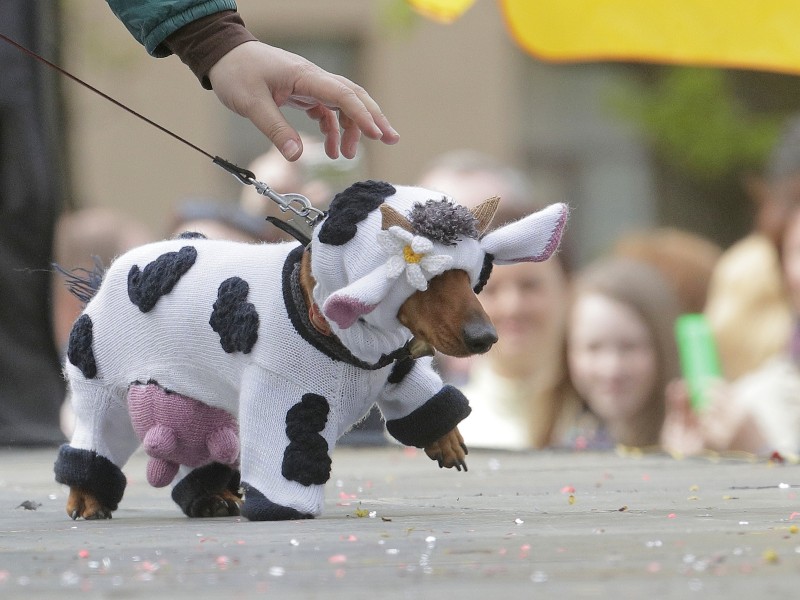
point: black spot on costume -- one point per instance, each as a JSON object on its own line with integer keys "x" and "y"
{"x": 146, "y": 286}
{"x": 350, "y": 207}
{"x": 79, "y": 348}
{"x": 234, "y": 318}
{"x": 306, "y": 458}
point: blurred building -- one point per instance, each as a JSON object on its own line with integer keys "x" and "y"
{"x": 465, "y": 85}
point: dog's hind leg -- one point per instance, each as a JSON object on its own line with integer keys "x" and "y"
{"x": 102, "y": 443}
{"x": 212, "y": 490}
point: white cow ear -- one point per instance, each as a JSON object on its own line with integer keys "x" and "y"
{"x": 531, "y": 239}
{"x": 361, "y": 297}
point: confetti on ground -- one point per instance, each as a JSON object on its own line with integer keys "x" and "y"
{"x": 571, "y": 499}
{"x": 672, "y": 516}
{"x": 771, "y": 557}
{"x": 568, "y": 489}
{"x": 361, "y": 513}
{"x": 518, "y": 521}
{"x": 793, "y": 529}
{"x": 337, "y": 559}
{"x": 524, "y": 550}
{"x": 83, "y": 553}
{"x": 29, "y": 505}
{"x": 777, "y": 458}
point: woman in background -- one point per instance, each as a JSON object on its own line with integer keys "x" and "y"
{"x": 621, "y": 352}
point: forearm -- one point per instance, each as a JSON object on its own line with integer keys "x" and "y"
{"x": 152, "y": 21}
{"x": 201, "y": 43}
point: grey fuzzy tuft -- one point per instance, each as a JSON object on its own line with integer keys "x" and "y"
{"x": 443, "y": 221}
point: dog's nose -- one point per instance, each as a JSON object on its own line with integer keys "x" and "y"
{"x": 479, "y": 336}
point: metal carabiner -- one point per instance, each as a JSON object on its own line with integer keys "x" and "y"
{"x": 309, "y": 215}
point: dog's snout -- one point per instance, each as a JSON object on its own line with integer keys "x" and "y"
{"x": 479, "y": 336}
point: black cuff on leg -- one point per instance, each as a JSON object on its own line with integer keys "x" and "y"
{"x": 432, "y": 420}
{"x": 87, "y": 470}
{"x": 258, "y": 507}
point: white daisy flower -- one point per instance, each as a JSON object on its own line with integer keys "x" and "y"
{"x": 412, "y": 254}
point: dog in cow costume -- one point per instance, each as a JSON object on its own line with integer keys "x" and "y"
{"x": 224, "y": 358}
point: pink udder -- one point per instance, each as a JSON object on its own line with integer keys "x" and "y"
{"x": 176, "y": 430}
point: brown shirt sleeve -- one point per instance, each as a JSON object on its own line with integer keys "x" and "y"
{"x": 201, "y": 43}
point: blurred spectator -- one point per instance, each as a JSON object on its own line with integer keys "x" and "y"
{"x": 685, "y": 259}
{"x": 470, "y": 177}
{"x": 81, "y": 237}
{"x": 760, "y": 411}
{"x": 218, "y": 221}
{"x": 747, "y": 306}
{"x": 518, "y": 391}
{"x": 621, "y": 350}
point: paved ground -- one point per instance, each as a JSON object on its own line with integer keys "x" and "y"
{"x": 396, "y": 526}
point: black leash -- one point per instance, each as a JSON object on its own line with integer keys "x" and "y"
{"x": 296, "y": 203}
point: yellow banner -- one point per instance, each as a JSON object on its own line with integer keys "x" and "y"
{"x": 444, "y": 11}
{"x": 748, "y": 34}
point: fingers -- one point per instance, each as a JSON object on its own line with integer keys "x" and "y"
{"x": 255, "y": 80}
{"x": 329, "y": 127}
{"x": 350, "y": 137}
{"x": 358, "y": 113}
{"x": 365, "y": 112}
{"x": 268, "y": 118}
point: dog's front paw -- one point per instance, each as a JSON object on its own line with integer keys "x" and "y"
{"x": 449, "y": 450}
{"x": 84, "y": 504}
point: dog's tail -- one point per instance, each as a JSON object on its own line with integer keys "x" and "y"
{"x": 83, "y": 283}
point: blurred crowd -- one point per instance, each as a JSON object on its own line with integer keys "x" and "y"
{"x": 587, "y": 357}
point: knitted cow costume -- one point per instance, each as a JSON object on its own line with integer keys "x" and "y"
{"x": 225, "y": 325}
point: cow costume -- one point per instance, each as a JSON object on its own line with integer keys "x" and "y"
{"x": 187, "y": 336}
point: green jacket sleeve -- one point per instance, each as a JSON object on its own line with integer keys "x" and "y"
{"x": 151, "y": 21}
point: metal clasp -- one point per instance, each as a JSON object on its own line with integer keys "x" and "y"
{"x": 295, "y": 203}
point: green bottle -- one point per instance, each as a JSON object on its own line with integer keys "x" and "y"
{"x": 698, "y": 357}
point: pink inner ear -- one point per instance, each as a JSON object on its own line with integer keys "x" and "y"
{"x": 555, "y": 238}
{"x": 345, "y": 310}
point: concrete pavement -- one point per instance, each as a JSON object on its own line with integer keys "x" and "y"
{"x": 544, "y": 525}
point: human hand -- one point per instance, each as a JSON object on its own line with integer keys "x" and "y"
{"x": 681, "y": 432}
{"x": 721, "y": 426}
{"x": 255, "y": 79}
